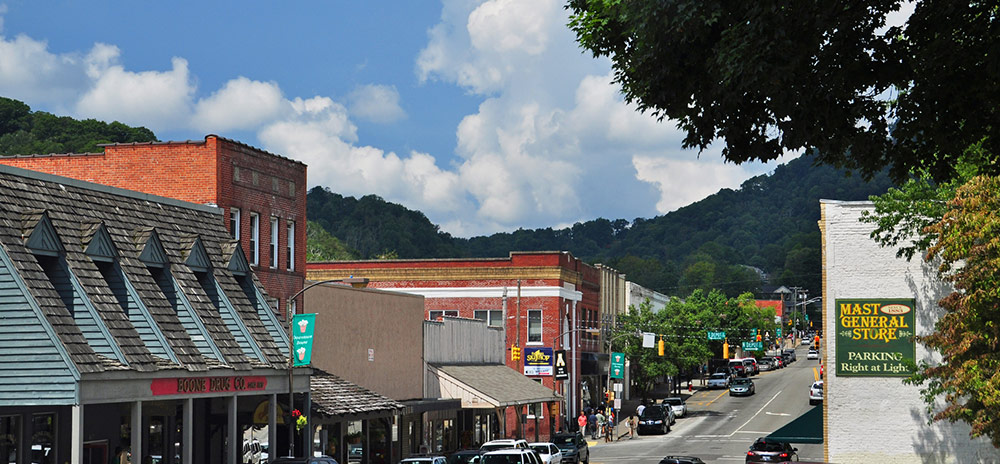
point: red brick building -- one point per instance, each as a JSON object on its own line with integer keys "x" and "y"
{"x": 263, "y": 194}
{"x": 535, "y": 296}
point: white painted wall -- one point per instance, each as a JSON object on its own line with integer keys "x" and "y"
{"x": 636, "y": 294}
{"x": 881, "y": 419}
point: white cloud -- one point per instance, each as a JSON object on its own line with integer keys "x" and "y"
{"x": 376, "y": 103}
{"x": 240, "y": 104}
{"x": 682, "y": 182}
{"x": 29, "y": 72}
{"x": 160, "y": 99}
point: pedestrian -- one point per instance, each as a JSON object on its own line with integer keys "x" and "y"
{"x": 609, "y": 434}
{"x": 592, "y": 425}
{"x": 582, "y": 422}
{"x": 631, "y": 427}
{"x": 601, "y": 422}
{"x": 640, "y": 408}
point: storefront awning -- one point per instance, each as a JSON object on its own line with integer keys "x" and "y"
{"x": 489, "y": 386}
{"x": 807, "y": 428}
{"x": 334, "y": 396}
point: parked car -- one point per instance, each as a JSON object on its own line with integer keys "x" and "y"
{"x": 739, "y": 369}
{"x": 310, "y": 460}
{"x": 790, "y": 354}
{"x": 806, "y": 340}
{"x": 654, "y": 419}
{"x": 771, "y": 452}
{"x": 511, "y": 456}
{"x": 719, "y": 380}
{"x": 469, "y": 456}
{"x": 816, "y": 392}
{"x": 424, "y": 460}
{"x": 573, "y": 446}
{"x": 681, "y": 460}
{"x": 813, "y": 354}
{"x": 494, "y": 445}
{"x": 751, "y": 364}
{"x": 765, "y": 364}
{"x": 549, "y": 452}
{"x": 779, "y": 361}
{"x": 677, "y": 405}
{"x": 742, "y": 387}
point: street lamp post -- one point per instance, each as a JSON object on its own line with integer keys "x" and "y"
{"x": 356, "y": 283}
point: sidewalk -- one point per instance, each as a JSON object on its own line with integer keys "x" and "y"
{"x": 629, "y": 406}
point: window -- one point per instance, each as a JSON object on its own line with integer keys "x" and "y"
{"x": 254, "y": 238}
{"x": 274, "y": 242}
{"x": 493, "y": 317}
{"x": 435, "y": 315}
{"x": 10, "y": 431}
{"x": 234, "y": 222}
{"x": 290, "y": 249}
{"x": 534, "y": 326}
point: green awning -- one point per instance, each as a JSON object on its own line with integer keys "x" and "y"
{"x": 807, "y": 428}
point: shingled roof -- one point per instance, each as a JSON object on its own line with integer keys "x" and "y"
{"x": 76, "y": 210}
{"x": 334, "y": 396}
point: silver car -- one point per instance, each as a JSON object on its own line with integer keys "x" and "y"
{"x": 718, "y": 380}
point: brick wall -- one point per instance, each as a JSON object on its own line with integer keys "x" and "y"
{"x": 215, "y": 171}
{"x": 880, "y": 419}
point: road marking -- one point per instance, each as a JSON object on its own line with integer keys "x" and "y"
{"x": 758, "y": 412}
{"x": 777, "y": 413}
{"x": 815, "y": 374}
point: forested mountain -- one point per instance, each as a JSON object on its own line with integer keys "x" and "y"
{"x": 25, "y": 132}
{"x": 724, "y": 241}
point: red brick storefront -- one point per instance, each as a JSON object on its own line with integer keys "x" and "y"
{"x": 216, "y": 171}
{"x": 559, "y": 294}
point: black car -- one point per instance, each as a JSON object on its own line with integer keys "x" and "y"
{"x": 770, "y": 451}
{"x": 681, "y": 460}
{"x": 573, "y": 446}
{"x": 464, "y": 456}
{"x": 653, "y": 420}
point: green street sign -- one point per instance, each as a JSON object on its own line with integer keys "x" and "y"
{"x": 617, "y": 365}
{"x": 777, "y": 332}
{"x": 302, "y": 338}
{"x": 753, "y": 346}
{"x": 716, "y": 335}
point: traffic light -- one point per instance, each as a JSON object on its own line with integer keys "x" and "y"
{"x": 515, "y": 353}
{"x": 758, "y": 337}
{"x": 660, "y": 347}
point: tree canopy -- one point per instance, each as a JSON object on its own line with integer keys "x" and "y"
{"x": 768, "y": 77}
{"x": 26, "y": 132}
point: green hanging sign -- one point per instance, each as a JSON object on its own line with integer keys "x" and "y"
{"x": 302, "y": 338}
{"x": 617, "y": 365}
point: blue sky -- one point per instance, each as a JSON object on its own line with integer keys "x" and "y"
{"x": 485, "y": 115}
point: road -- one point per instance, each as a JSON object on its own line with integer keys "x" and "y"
{"x": 720, "y": 428}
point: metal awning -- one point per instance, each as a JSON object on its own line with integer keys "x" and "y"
{"x": 807, "y": 428}
{"x": 489, "y": 386}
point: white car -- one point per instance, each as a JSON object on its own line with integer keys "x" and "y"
{"x": 494, "y": 445}
{"x": 816, "y": 392}
{"x": 813, "y": 354}
{"x": 677, "y": 404}
{"x": 425, "y": 460}
{"x": 805, "y": 341}
{"x": 718, "y": 380}
{"x": 511, "y": 456}
{"x": 549, "y": 452}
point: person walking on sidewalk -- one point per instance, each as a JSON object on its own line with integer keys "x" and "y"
{"x": 609, "y": 428}
{"x": 582, "y": 422}
{"x": 592, "y": 425}
{"x": 631, "y": 427}
{"x": 601, "y": 422}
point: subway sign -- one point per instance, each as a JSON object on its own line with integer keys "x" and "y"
{"x": 875, "y": 337}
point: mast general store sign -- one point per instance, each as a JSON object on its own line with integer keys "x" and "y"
{"x": 875, "y": 337}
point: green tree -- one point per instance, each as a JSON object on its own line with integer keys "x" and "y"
{"x": 321, "y": 246}
{"x": 768, "y": 77}
{"x": 967, "y": 336}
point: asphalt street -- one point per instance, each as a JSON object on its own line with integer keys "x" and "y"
{"x": 720, "y": 428}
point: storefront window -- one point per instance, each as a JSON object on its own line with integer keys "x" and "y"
{"x": 43, "y": 438}
{"x": 355, "y": 439}
{"x": 10, "y": 433}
